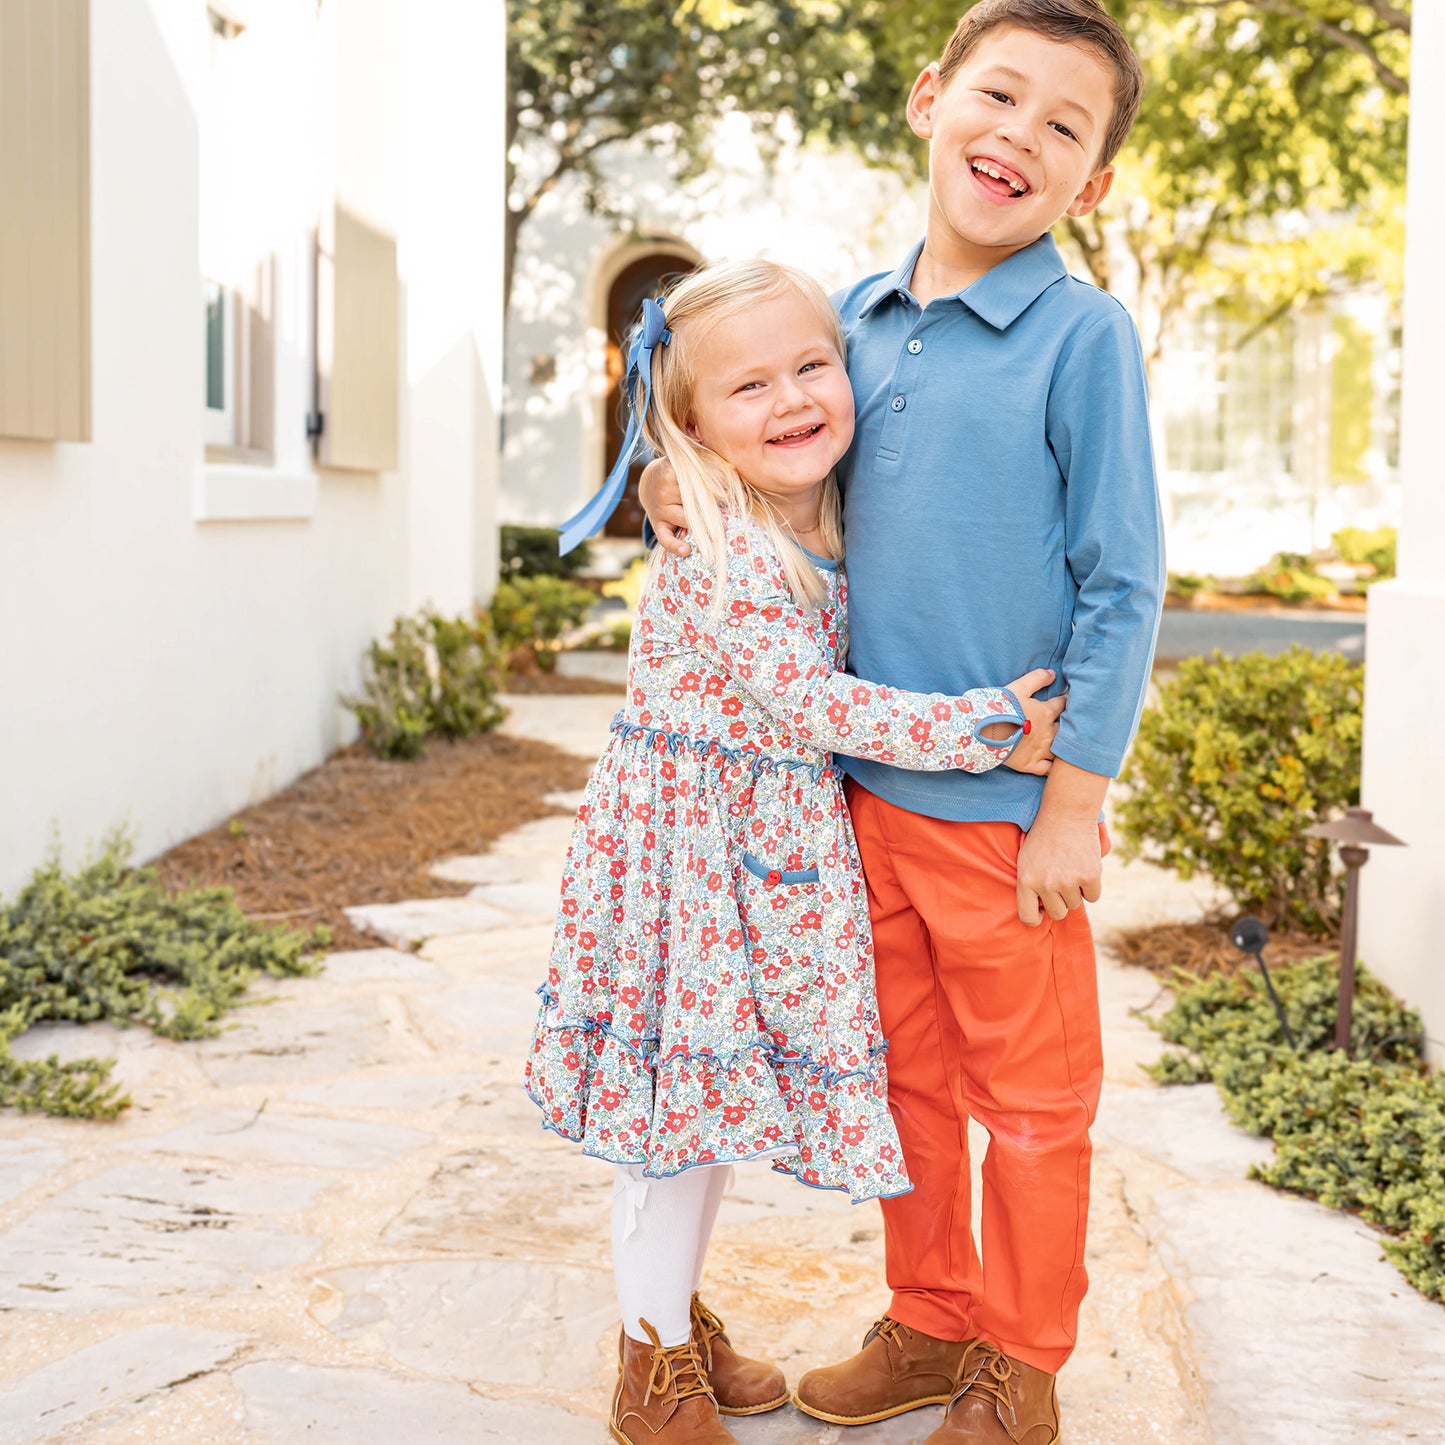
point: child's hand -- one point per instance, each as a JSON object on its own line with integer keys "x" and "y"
{"x": 1034, "y": 753}
{"x": 662, "y": 501}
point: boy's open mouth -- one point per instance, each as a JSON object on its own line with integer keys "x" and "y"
{"x": 997, "y": 179}
{"x": 796, "y": 438}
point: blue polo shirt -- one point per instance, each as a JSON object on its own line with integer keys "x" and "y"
{"x": 1000, "y": 511}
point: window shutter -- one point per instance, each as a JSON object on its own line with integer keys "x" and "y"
{"x": 45, "y": 219}
{"x": 358, "y": 343}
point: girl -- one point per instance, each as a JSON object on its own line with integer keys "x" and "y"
{"x": 710, "y": 997}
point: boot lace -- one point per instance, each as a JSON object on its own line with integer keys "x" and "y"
{"x": 890, "y": 1331}
{"x": 709, "y": 1327}
{"x": 676, "y": 1370}
{"x": 988, "y": 1370}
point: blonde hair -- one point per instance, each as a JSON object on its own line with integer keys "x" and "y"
{"x": 709, "y": 483}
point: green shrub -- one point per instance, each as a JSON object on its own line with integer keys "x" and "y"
{"x": 1364, "y": 1132}
{"x": 1186, "y": 585}
{"x": 1291, "y": 577}
{"x": 468, "y": 666}
{"x": 433, "y": 674}
{"x": 532, "y": 552}
{"x": 1236, "y": 759}
{"x": 108, "y": 942}
{"x": 1362, "y": 547}
{"x": 533, "y": 612}
{"x": 616, "y": 638}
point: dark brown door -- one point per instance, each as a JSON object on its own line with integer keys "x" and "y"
{"x": 645, "y": 277}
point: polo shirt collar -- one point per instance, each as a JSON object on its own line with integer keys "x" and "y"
{"x": 897, "y": 283}
{"x": 999, "y": 296}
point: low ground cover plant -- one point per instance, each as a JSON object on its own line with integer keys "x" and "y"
{"x": 1235, "y": 760}
{"x": 109, "y": 942}
{"x": 1363, "y": 1132}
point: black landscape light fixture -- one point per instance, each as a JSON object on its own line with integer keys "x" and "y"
{"x": 1249, "y": 935}
{"x": 1352, "y": 832}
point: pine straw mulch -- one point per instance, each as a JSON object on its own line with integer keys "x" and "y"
{"x": 359, "y": 829}
{"x": 552, "y": 682}
{"x": 1202, "y": 949}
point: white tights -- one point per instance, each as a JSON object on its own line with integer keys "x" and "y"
{"x": 660, "y": 1232}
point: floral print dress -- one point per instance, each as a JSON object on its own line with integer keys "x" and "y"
{"x": 710, "y": 997}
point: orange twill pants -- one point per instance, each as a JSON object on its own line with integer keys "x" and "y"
{"x": 991, "y": 1020}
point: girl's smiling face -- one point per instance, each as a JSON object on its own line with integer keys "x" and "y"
{"x": 772, "y": 397}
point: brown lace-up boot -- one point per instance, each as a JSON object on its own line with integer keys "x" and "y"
{"x": 897, "y": 1369}
{"x": 999, "y": 1401}
{"x": 663, "y": 1396}
{"x": 742, "y": 1386}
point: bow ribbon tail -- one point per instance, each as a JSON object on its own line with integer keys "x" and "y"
{"x": 603, "y": 503}
{"x": 651, "y": 333}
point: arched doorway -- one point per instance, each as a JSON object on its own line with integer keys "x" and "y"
{"x": 644, "y": 277}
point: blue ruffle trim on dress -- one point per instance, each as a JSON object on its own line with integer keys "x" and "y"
{"x": 779, "y": 1166}
{"x": 648, "y": 1052}
{"x": 685, "y": 742}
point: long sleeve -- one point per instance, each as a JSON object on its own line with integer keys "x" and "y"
{"x": 1098, "y": 429}
{"x": 771, "y": 647}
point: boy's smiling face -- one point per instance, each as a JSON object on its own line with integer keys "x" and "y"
{"x": 1013, "y": 141}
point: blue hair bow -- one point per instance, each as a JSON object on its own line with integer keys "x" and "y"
{"x": 651, "y": 333}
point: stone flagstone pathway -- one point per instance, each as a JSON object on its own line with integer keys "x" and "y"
{"x": 339, "y": 1223}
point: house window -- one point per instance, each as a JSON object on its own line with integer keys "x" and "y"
{"x": 237, "y": 296}
{"x": 223, "y": 336}
{"x": 1229, "y": 396}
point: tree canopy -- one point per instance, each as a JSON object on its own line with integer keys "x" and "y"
{"x": 1267, "y": 163}
{"x": 585, "y": 75}
{"x": 1275, "y": 124}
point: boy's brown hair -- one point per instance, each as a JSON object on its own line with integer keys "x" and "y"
{"x": 1071, "y": 22}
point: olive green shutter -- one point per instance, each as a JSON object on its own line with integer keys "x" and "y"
{"x": 358, "y": 343}
{"x": 45, "y": 219}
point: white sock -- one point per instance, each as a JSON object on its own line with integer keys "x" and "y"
{"x": 658, "y": 1244}
{"x": 718, "y": 1179}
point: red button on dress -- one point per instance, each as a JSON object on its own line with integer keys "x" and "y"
{"x": 773, "y": 879}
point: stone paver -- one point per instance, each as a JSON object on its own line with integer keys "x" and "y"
{"x": 485, "y": 868}
{"x": 287, "y": 1139}
{"x": 108, "y": 1381}
{"x": 422, "y": 918}
{"x": 306, "y": 1039}
{"x": 149, "y": 1229}
{"x": 289, "y": 1401}
{"x": 381, "y": 965}
{"x": 340, "y": 1222}
{"x": 23, "y": 1164}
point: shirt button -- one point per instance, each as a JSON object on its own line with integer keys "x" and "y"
{"x": 773, "y": 878}
{"x": 915, "y": 346}
{"x": 899, "y": 403}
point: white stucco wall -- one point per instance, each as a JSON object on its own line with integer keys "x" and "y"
{"x": 1402, "y": 921}
{"x": 821, "y": 211}
{"x": 167, "y": 670}
{"x": 451, "y": 265}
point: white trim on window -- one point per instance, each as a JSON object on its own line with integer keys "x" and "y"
{"x": 231, "y": 493}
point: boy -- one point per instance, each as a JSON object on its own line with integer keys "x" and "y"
{"x": 1000, "y": 512}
